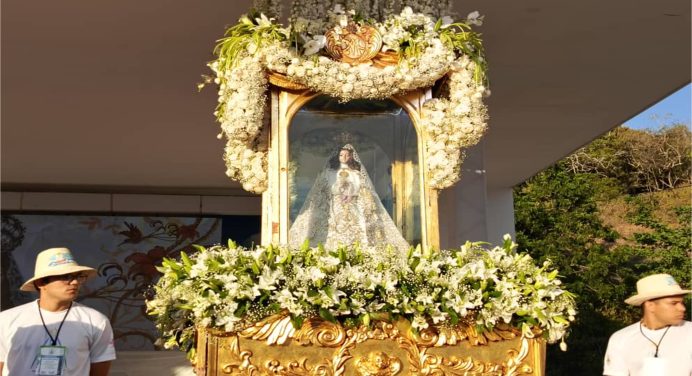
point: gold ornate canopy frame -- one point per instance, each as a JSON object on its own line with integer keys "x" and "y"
{"x": 286, "y": 101}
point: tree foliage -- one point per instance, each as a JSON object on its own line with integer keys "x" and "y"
{"x": 557, "y": 218}
{"x": 641, "y": 160}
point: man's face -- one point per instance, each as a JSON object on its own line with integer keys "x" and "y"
{"x": 62, "y": 288}
{"x": 667, "y": 311}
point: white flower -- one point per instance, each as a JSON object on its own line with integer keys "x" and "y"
{"x": 329, "y": 261}
{"x": 474, "y": 18}
{"x": 563, "y": 345}
{"x": 263, "y": 21}
{"x": 315, "y": 274}
{"x": 462, "y": 283}
{"x": 446, "y": 21}
{"x": 268, "y": 279}
{"x": 315, "y": 44}
{"x": 419, "y": 322}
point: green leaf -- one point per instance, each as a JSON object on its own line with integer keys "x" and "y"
{"x": 453, "y": 316}
{"x": 199, "y": 248}
{"x": 325, "y": 314}
{"x": 365, "y": 319}
{"x": 187, "y": 263}
{"x": 438, "y": 24}
{"x": 297, "y": 321}
{"x": 242, "y": 309}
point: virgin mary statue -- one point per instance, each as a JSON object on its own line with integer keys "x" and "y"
{"x": 343, "y": 208}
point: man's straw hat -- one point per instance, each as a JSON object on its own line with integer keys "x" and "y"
{"x": 656, "y": 286}
{"x": 55, "y": 261}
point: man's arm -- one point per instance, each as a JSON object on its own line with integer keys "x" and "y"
{"x": 1, "y": 366}
{"x": 97, "y": 369}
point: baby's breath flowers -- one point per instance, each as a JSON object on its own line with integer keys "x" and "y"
{"x": 230, "y": 288}
{"x": 427, "y": 49}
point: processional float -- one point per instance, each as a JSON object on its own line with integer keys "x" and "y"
{"x": 349, "y": 122}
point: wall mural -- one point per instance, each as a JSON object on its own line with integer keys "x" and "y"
{"x": 124, "y": 250}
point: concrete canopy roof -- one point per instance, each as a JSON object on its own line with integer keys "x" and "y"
{"x": 101, "y": 95}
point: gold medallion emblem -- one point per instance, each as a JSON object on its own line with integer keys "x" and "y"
{"x": 353, "y": 44}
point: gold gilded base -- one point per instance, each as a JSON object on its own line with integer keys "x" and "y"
{"x": 274, "y": 347}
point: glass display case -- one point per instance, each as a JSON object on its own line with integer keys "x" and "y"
{"x": 347, "y": 172}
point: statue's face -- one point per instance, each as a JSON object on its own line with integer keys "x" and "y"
{"x": 344, "y": 156}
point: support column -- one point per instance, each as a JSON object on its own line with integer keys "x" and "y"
{"x": 463, "y": 207}
{"x": 500, "y": 214}
{"x": 471, "y": 210}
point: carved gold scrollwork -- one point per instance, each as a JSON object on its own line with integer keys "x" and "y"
{"x": 515, "y": 365}
{"x": 296, "y": 368}
{"x": 239, "y": 360}
{"x": 423, "y": 363}
{"x": 353, "y": 44}
{"x": 420, "y": 348}
{"x": 321, "y": 333}
{"x": 469, "y": 366}
{"x": 383, "y": 59}
{"x": 282, "y": 81}
{"x": 382, "y": 330}
{"x": 276, "y": 330}
{"x": 378, "y": 363}
{"x": 502, "y": 332}
{"x": 443, "y": 336}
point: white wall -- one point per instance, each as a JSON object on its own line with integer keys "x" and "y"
{"x": 131, "y": 203}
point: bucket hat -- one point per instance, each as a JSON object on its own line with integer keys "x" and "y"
{"x": 655, "y": 286}
{"x": 55, "y": 261}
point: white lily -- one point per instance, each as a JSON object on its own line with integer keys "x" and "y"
{"x": 446, "y": 21}
{"x": 474, "y": 18}
{"x": 263, "y": 21}
{"x": 315, "y": 44}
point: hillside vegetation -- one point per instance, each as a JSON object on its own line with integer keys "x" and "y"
{"x": 610, "y": 213}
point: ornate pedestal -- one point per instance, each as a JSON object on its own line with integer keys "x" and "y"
{"x": 274, "y": 347}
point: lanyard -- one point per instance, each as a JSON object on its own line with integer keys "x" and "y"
{"x": 53, "y": 340}
{"x": 650, "y": 340}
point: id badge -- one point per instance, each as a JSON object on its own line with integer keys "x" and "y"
{"x": 51, "y": 360}
{"x": 654, "y": 367}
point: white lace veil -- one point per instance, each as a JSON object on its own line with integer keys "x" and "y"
{"x": 312, "y": 220}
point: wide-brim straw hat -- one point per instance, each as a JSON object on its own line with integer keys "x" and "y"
{"x": 655, "y": 286}
{"x": 55, "y": 261}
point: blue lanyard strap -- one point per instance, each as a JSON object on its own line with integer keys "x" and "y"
{"x": 53, "y": 340}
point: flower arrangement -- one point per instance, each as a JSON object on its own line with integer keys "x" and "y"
{"x": 230, "y": 288}
{"x": 425, "y": 50}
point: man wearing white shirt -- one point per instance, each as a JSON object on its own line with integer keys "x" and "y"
{"x": 55, "y": 335}
{"x": 661, "y": 343}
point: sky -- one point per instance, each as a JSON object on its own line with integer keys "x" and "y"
{"x": 674, "y": 109}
